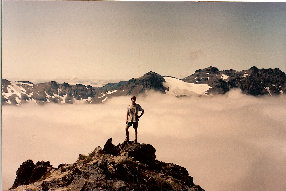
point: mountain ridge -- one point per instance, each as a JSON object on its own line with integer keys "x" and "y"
{"x": 125, "y": 167}
{"x": 207, "y": 81}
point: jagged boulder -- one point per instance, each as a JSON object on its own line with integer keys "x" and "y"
{"x": 144, "y": 153}
{"x": 29, "y": 172}
{"x": 109, "y": 148}
{"x": 24, "y": 173}
{"x": 127, "y": 166}
{"x": 40, "y": 170}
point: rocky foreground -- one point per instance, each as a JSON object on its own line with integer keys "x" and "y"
{"x": 127, "y": 166}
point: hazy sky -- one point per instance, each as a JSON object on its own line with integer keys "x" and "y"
{"x": 120, "y": 40}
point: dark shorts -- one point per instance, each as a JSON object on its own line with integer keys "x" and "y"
{"x": 134, "y": 124}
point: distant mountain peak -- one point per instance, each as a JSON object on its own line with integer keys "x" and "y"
{"x": 209, "y": 69}
{"x": 253, "y": 69}
{"x": 207, "y": 81}
{"x": 149, "y": 75}
{"x": 252, "y": 82}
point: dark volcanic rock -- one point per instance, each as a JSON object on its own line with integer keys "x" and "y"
{"x": 264, "y": 82}
{"x": 24, "y": 173}
{"x": 135, "y": 86}
{"x": 253, "y": 81}
{"x": 127, "y": 166}
{"x": 144, "y": 153}
{"x": 28, "y": 172}
{"x": 109, "y": 148}
{"x": 40, "y": 170}
{"x": 152, "y": 80}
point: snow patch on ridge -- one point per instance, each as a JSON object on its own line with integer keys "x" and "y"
{"x": 104, "y": 99}
{"x": 64, "y": 99}
{"x": 268, "y": 90}
{"x": 224, "y": 77}
{"x": 14, "y": 89}
{"x": 180, "y": 88}
{"x": 18, "y": 100}
{"x": 101, "y": 96}
{"x": 111, "y": 92}
{"x": 245, "y": 75}
{"x": 81, "y": 101}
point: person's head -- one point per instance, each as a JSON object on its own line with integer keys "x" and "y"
{"x": 133, "y": 99}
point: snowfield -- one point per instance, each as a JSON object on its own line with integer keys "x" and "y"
{"x": 14, "y": 89}
{"x": 178, "y": 87}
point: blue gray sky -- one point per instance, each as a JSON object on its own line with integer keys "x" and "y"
{"x": 121, "y": 40}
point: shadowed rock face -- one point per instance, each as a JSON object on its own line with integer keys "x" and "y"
{"x": 29, "y": 172}
{"x": 24, "y": 173}
{"x": 127, "y": 166}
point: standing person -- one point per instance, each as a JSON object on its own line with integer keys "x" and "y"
{"x": 132, "y": 117}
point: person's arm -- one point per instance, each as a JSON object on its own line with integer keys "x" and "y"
{"x": 142, "y": 112}
{"x": 127, "y": 115}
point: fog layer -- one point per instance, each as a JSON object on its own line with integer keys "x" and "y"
{"x": 231, "y": 142}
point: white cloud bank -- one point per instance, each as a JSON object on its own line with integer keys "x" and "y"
{"x": 230, "y": 142}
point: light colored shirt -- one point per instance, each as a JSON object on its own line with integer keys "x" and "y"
{"x": 132, "y": 111}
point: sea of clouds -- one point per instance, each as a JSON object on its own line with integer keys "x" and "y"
{"x": 229, "y": 142}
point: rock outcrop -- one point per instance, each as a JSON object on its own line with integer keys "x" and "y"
{"x": 253, "y": 81}
{"x": 127, "y": 166}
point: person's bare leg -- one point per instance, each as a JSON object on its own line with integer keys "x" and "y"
{"x": 127, "y": 133}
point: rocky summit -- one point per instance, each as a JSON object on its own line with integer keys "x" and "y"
{"x": 127, "y": 166}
